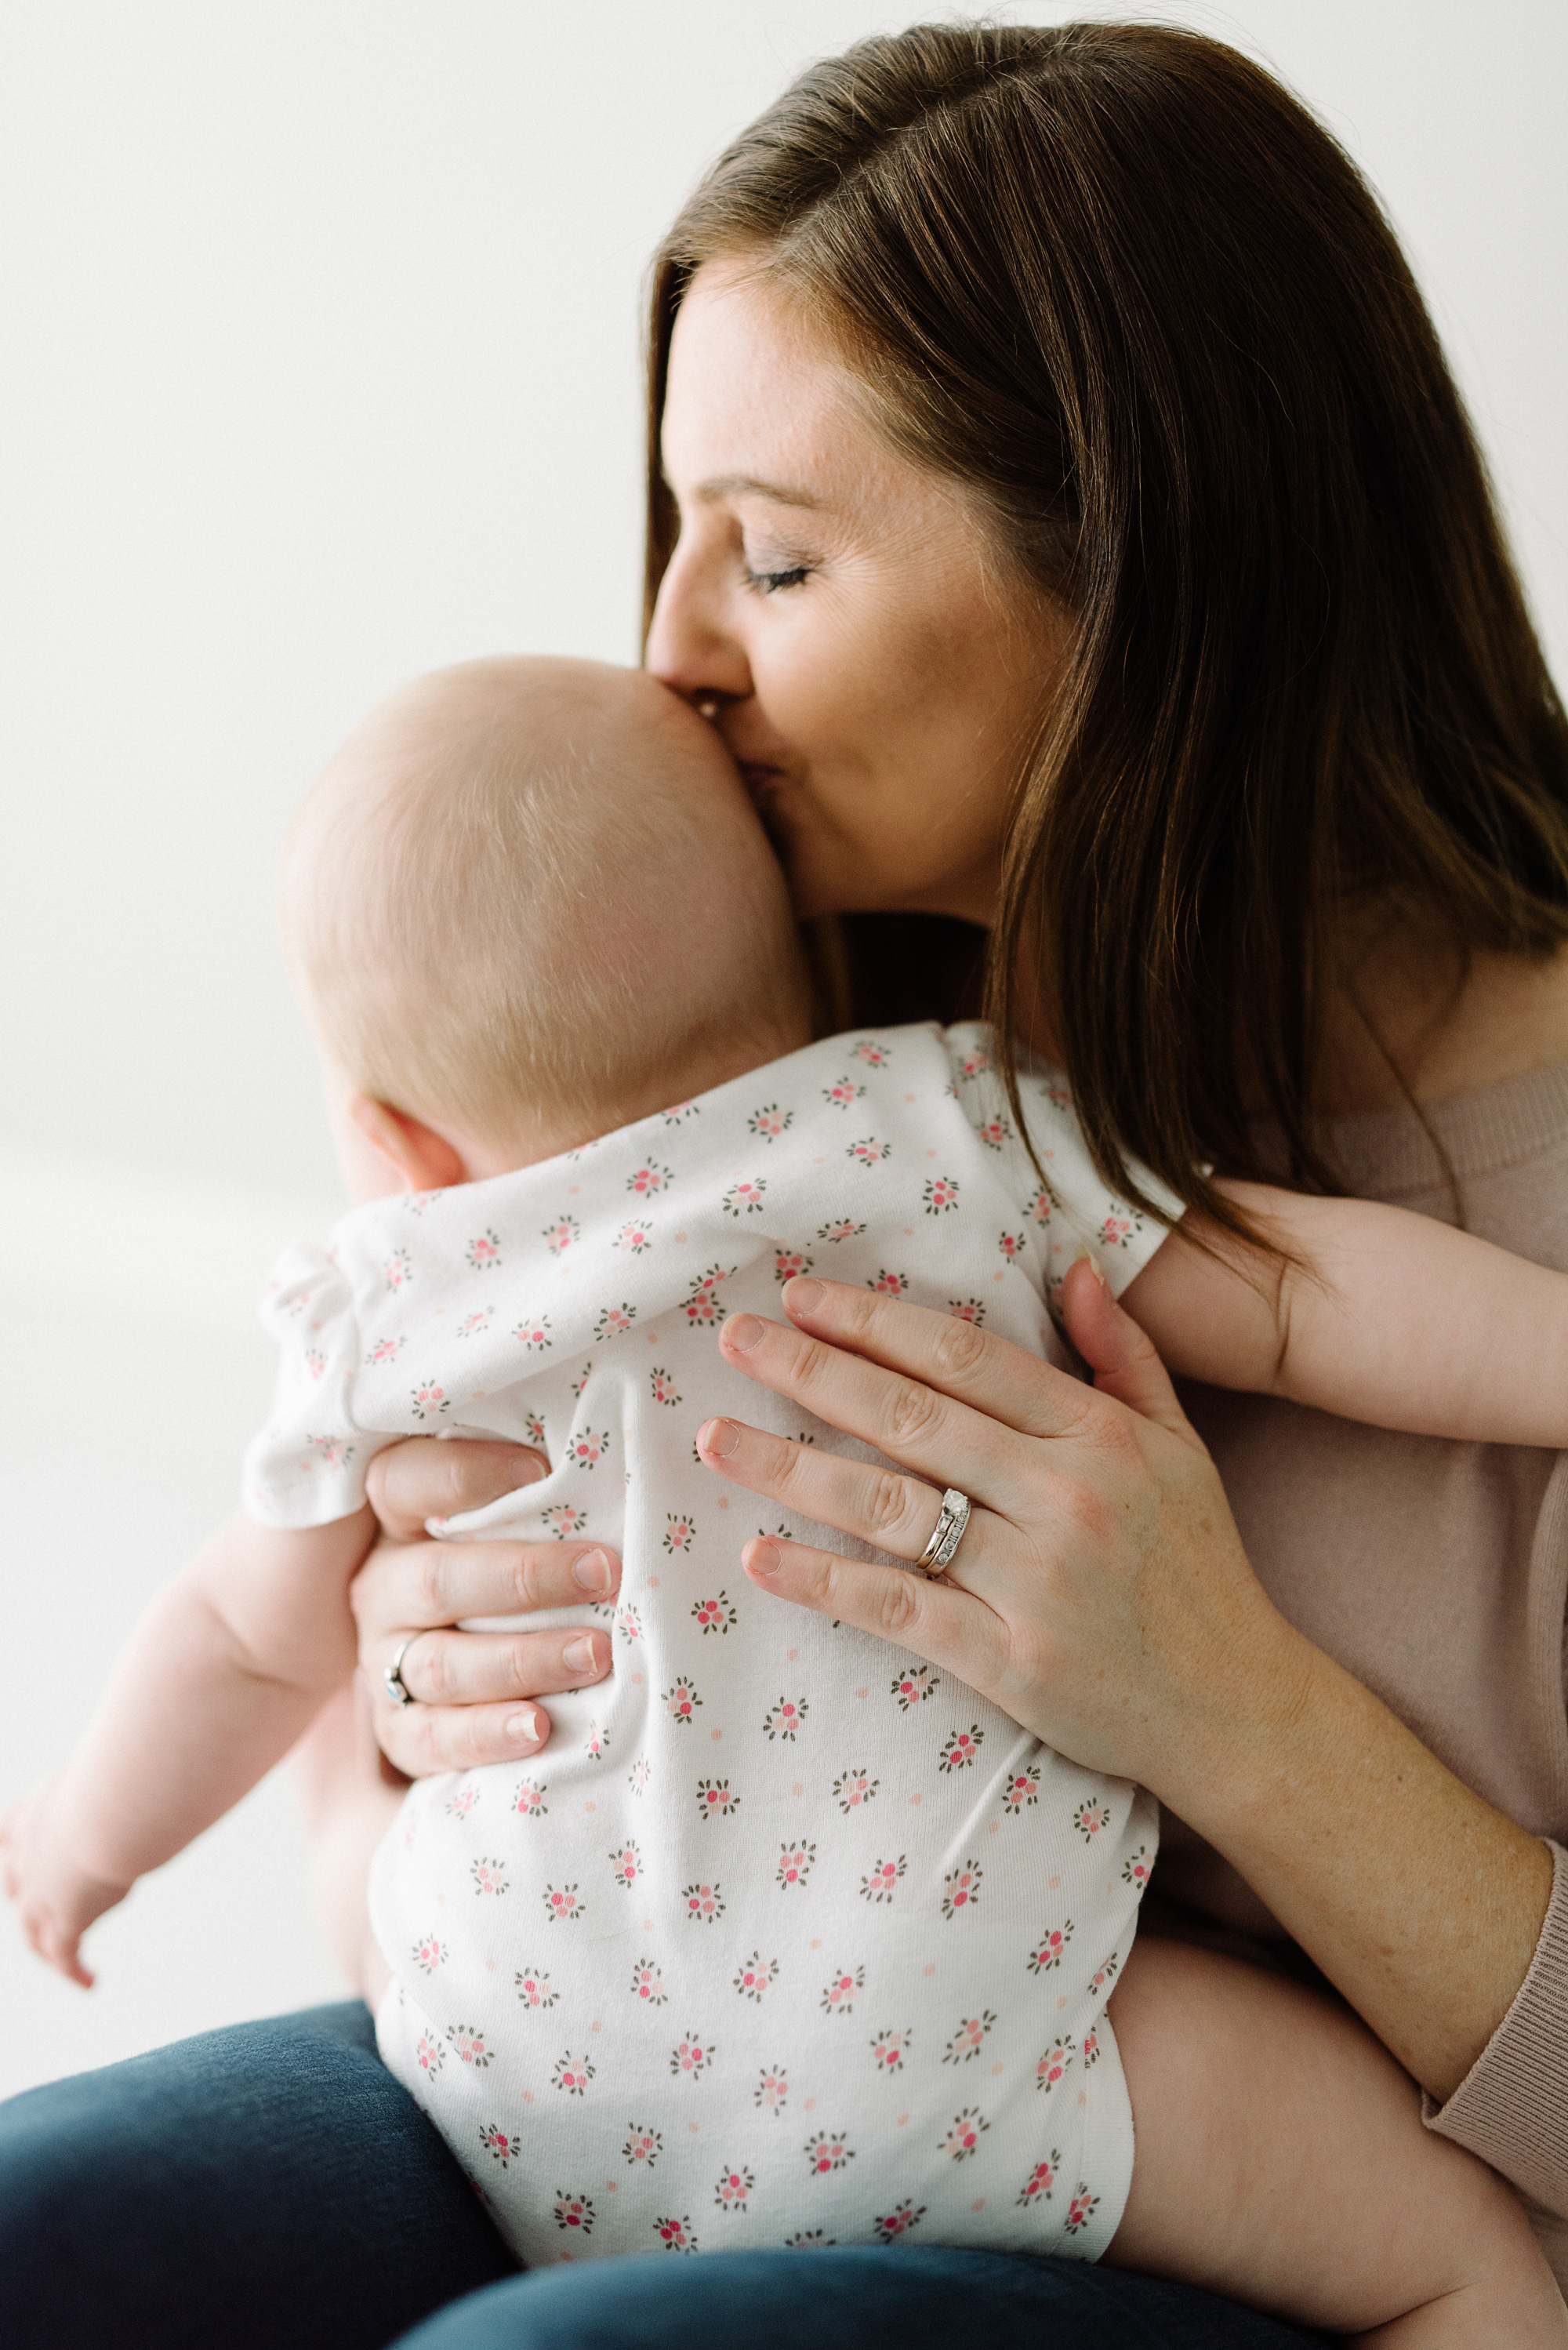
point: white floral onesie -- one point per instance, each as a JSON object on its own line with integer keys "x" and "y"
{"x": 786, "y": 1937}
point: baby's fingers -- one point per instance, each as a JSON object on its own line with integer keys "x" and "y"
{"x": 935, "y": 1619}
{"x": 57, "y": 1945}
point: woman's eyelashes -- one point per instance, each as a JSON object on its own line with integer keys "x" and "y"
{"x": 769, "y": 583}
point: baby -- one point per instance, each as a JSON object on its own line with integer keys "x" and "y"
{"x": 786, "y": 1937}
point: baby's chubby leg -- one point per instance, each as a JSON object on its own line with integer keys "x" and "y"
{"x": 1281, "y": 2160}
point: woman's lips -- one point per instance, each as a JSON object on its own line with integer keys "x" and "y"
{"x": 759, "y": 778}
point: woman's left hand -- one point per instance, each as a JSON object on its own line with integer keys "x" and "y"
{"x": 1100, "y": 1595}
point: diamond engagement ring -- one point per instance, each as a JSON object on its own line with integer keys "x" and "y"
{"x": 397, "y": 1689}
{"x": 946, "y": 1534}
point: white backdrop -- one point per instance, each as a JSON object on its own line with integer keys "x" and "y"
{"x": 321, "y": 366}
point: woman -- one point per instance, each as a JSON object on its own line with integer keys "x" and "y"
{"x": 1067, "y": 519}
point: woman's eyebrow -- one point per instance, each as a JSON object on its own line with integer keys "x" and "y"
{"x": 743, "y": 485}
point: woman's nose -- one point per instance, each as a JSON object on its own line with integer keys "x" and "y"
{"x": 687, "y": 647}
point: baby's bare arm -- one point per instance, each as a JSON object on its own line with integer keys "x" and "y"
{"x": 1281, "y": 2160}
{"x": 1386, "y": 1317}
{"x": 219, "y": 1680}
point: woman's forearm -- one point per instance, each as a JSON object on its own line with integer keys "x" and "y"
{"x": 1421, "y": 1902}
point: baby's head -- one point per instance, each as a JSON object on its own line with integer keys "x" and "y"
{"x": 529, "y": 901}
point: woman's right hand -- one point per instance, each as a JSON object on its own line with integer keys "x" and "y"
{"x": 473, "y": 1692}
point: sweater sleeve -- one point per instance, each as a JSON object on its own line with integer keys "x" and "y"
{"x": 1511, "y": 2108}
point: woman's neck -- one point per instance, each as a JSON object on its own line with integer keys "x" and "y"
{"x": 1410, "y": 1016}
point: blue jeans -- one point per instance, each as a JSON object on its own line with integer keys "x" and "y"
{"x": 271, "y": 2188}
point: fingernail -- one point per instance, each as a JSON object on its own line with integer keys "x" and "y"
{"x": 804, "y": 1296}
{"x": 523, "y": 1729}
{"x": 528, "y": 1469}
{"x": 591, "y": 1571}
{"x": 1086, "y": 1256}
{"x": 720, "y": 1437}
{"x": 578, "y": 1654}
{"x": 744, "y": 1331}
{"x": 763, "y": 1557}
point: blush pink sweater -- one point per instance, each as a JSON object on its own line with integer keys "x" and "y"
{"x": 1437, "y": 1574}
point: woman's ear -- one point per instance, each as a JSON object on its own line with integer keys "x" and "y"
{"x": 422, "y": 1159}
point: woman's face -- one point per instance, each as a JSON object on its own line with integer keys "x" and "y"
{"x": 877, "y": 668}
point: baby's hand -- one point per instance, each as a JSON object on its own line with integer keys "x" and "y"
{"x": 57, "y": 1898}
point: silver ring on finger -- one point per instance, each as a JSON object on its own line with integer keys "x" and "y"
{"x": 397, "y": 1689}
{"x": 952, "y": 1520}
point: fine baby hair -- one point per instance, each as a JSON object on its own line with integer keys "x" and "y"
{"x": 530, "y": 890}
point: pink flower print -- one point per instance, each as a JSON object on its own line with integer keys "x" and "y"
{"x": 587, "y": 1451}
{"x": 484, "y": 1251}
{"x": 868, "y": 1151}
{"x": 790, "y": 1263}
{"x": 941, "y": 1193}
{"x": 912, "y": 1688}
{"x": 770, "y": 1121}
{"x": 853, "y": 1790}
{"x": 732, "y": 2188}
{"x": 679, "y": 1530}
{"x": 625, "y": 1865}
{"x": 578, "y": 1385}
{"x": 574, "y": 2211}
{"x": 648, "y": 1983}
{"x": 827, "y": 2151}
{"x": 1052, "y": 2068}
{"x": 715, "y": 1615}
{"x": 428, "y": 1401}
{"x": 472, "y": 1324}
{"x": 563, "y": 1905}
{"x": 503, "y": 2145}
{"x": 1048, "y": 1951}
{"x": 459, "y": 1806}
{"x": 898, "y": 2221}
{"x": 975, "y": 1064}
{"x": 704, "y": 1903}
{"x": 1120, "y": 1229}
{"x": 534, "y": 1989}
{"x": 844, "y": 1230}
{"x": 968, "y": 1309}
{"x": 841, "y": 1991}
{"x": 794, "y": 1863}
{"x": 330, "y": 1452}
{"x": 562, "y": 1520}
{"x": 1041, "y": 1205}
{"x": 889, "y": 1284}
{"x": 772, "y": 2090}
{"x": 881, "y": 1881}
{"x": 1135, "y": 1871}
{"x": 573, "y": 2073}
{"x": 428, "y": 1953}
{"x": 994, "y": 1133}
{"x": 489, "y": 1875}
{"x": 873, "y": 1055}
{"x": 398, "y": 1270}
{"x": 889, "y": 2049}
{"x": 754, "y": 1976}
{"x": 638, "y": 1777}
{"x": 385, "y": 1350}
{"x": 842, "y": 1093}
{"x": 613, "y": 1321}
{"x": 1021, "y": 1790}
{"x": 596, "y": 1745}
{"x": 691, "y": 2055}
{"x": 628, "y": 1622}
{"x": 784, "y": 1719}
{"x": 533, "y": 1332}
{"x": 961, "y": 1888}
{"x": 529, "y": 1800}
{"x": 702, "y": 1306}
{"x": 1041, "y": 2178}
{"x": 1080, "y": 2210}
{"x": 1090, "y": 1818}
{"x": 959, "y": 1749}
{"x": 315, "y": 1362}
{"x": 677, "y": 1111}
{"x": 416, "y": 1203}
{"x": 469, "y": 2045}
{"x": 644, "y": 2145}
{"x": 744, "y": 1199}
{"x": 969, "y": 2039}
{"x": 430, "y": 2055}
{"x": 1013, "y": 1245}
{"x": 558, "y": 1237}
{"x": 964, "y": 2137}
{"x": 714, "y": 1801}
{"x": 534, "y": 1428}
{"x": 662, "y": 1386}
{"x": 650, "y": 1180}
{"x": 635, "y": 1236}
{"x": 682, "y": 1699}
{"x": 675, "y": 2235}
{"x": 1104, "y": 1976}
{"x": 809, "y": 2239}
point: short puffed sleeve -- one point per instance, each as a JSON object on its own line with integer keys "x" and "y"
{"x": 1074, "y": 1206}
{"x": 308, "y": 1466}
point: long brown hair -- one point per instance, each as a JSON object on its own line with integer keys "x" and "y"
{"x": 1119, "y": 282}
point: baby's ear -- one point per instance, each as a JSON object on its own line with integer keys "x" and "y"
{"x": 423, "y": 1159}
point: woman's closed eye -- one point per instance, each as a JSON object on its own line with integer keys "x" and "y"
{"x": 768, "y": 582}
